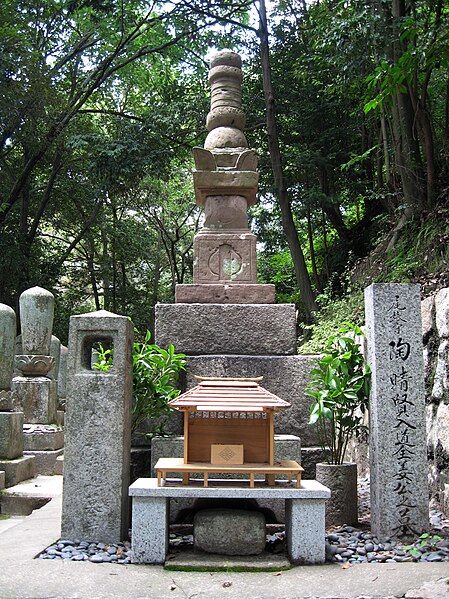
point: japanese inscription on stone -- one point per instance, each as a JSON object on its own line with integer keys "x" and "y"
{"x": 397, "y": 418}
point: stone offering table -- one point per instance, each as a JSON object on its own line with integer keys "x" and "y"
{"x": 304, "y": 508}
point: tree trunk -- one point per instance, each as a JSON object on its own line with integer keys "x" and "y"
{"x": 409, "y": 159}
{"x": 288, "y": 224}
{"x": 312, "y": 251}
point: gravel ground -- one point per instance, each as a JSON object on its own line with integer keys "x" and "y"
{"x": 346, "y": 544}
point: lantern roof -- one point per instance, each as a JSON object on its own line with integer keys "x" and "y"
{"x": 228, "y": 395}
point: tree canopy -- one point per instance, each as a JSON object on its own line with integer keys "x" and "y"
{"x": 101, "y": 102}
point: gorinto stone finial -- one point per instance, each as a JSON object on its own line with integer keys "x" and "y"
{"x": 225, "y": 165}
{"x": 226, "y": 119}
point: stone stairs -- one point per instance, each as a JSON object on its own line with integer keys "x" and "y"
{"x": 29, "y": 495}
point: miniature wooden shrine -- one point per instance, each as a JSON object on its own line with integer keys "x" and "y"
{"x": 228, "y": 429}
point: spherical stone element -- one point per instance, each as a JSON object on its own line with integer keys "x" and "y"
{"x": 225, "y": 137}
{"x": 7, "y": 342}
{"x": 225, "y": 117}
{"x": 37, "y": 307}
{"x": 226, "y": 57}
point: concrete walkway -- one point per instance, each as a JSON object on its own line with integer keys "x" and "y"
{"x": 23, "y": 577}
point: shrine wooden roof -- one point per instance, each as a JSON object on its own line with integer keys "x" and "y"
{"x": 228, "y": 395}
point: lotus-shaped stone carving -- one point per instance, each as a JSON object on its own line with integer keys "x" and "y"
{"x": 34, "y": 365}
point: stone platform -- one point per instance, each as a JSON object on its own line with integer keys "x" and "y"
{"x": 208, "y": 562}
{"x": 304, "y": 507}
{"x": 247, "y": 329}
{"x": 222, "y": 293}
{"x": 286, "y": 447}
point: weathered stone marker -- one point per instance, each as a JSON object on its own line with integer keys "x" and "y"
{"x": 35, "y": 391}
{"x": 97, "y": 430}
{"x": 398, "y": 461}
{"x": 12, "y": 462}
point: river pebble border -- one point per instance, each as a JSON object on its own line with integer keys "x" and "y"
{"x": 346, "y": 544}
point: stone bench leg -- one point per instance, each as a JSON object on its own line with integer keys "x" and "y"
{"x": 149, "y": 536}
{"x": 305, "y": 530}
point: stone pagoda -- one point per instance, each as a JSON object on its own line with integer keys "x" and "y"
{"x": 226, "y": 323}
{"x": 225, "y": 181}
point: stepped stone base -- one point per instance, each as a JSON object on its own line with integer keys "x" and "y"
{"x": 45, "y": 461}
{"x": 42, "y": 437}
{"x": 248, "y": 329}
{"x": 17, "y": 470}
{"x": 221, "y": 293}
{"x": 285, "y": 376}
{"x": 23, "y": 498}
{"x": 2, "y": 480}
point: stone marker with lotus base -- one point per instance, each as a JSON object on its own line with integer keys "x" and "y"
{"x": 35, "y": 388}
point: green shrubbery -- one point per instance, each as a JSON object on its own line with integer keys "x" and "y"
{"x": 339, "y": 387}
{"x": 155, "y": 373}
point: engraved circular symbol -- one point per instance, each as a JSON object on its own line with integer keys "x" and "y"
{"x": 225, "y": 262}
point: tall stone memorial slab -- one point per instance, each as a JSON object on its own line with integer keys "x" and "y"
{"x": 398, "y": 460}
{"x": 97, "y": 430}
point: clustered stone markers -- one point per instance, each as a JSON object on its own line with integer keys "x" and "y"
{"x": 35, "y": 390}
{"x": 12, "y": 462}
{"x": 398, "y": 461}
{"x": 97, "y": 431}
{"x": 36, "y": 385}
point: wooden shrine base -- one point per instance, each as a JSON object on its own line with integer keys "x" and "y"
{"x": 287, "y": 467}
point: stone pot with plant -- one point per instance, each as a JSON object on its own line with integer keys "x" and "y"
{"x": 339, "y": 387}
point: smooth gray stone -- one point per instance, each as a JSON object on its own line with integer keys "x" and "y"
{"x": 97, "y": 431}
{"x": 247, "y": 329}
{"x": 229, "y": 532}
